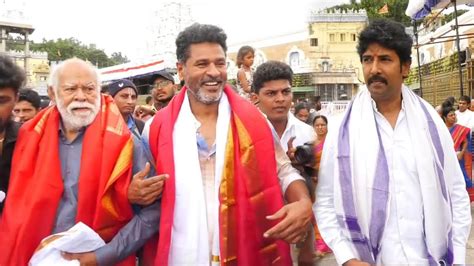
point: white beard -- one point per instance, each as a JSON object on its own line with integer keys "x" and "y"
{"x": 75, "y": 122}
{"x": 206, "y": 99}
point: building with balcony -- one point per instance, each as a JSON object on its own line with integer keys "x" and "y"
{"x": 15, "y": 28}
{"x": 333, "y": 40}
{"x": 323, "y": 56}
{"x": 37, "y": 70}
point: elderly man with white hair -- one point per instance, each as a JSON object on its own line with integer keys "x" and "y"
{"x": 73, "y": 163}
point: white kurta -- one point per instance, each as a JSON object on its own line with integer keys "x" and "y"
{"x": 403, "y": 239}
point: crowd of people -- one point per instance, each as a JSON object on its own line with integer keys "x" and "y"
{"x": 208, "y": 174}
{"x": 461, "y": 125}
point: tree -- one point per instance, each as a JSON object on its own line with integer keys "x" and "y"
{"x": 13, "y": 43}
{"x": 62, "y": 49}
{"x": 118, "y": 58}
{"x": 396, "y": 9}
{"x": 447, "y": 18}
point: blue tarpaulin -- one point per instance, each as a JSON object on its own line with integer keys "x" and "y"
{"x": 418, "y": 9}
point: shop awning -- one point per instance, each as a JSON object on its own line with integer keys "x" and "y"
{"x": 132, "y": 69}
{"x": 302, "y": 89}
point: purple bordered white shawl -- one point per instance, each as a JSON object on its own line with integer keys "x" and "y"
{"x": 364, "y": 216}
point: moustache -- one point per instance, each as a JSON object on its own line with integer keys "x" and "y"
{"x": 377, "y": 78}
{"x": 75, "y": 105}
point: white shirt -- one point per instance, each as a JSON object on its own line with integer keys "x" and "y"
{"x": 302, "y": 132}
{"x": 402, "y": 240}
{"x": 465, "y": 118}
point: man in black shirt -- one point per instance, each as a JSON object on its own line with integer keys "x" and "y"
{"x": 11, "y": 79}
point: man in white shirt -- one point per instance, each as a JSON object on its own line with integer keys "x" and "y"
{"x": 272, "y": 87}
{"x": 390, "y": 188}
{"x": 465, "y": 117}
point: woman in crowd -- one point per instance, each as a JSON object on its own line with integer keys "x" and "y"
{"x": 462, "y": 142}
{"x": 320, "y": 125}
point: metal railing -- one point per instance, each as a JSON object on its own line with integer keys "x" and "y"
{"x": 333, "y": 108}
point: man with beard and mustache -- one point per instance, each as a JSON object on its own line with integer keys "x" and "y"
{"x": 11, "y": 79}
{"x": 390, "y": 188}
{"x": 73, "y": 163}
{"x": 223, "y": 200}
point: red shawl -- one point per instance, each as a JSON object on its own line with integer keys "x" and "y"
{"x": 36, "y": 184}
{"x": 249, "y": 189}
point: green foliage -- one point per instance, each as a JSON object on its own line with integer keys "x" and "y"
{"x": 447, "y": 18}
{"x": 62, "y": 49}
{"x": 118, "y": 58}
{"x": 14, "y": 43}
{"x": 396, "y": 9}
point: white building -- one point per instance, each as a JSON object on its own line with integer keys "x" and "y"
{"x": 13, "y": 11}
{"x": 168, "y": 19}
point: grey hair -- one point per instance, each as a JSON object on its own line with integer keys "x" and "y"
{"x": 53, "y": 80}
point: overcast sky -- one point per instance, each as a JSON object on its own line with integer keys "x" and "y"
{"x": 121, "y": 25}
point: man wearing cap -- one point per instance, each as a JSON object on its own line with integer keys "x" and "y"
{"x": 163, "y": 91}
{"x": 125, "y": 94}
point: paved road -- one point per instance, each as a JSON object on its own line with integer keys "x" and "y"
{"x": 329, "y": 259}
